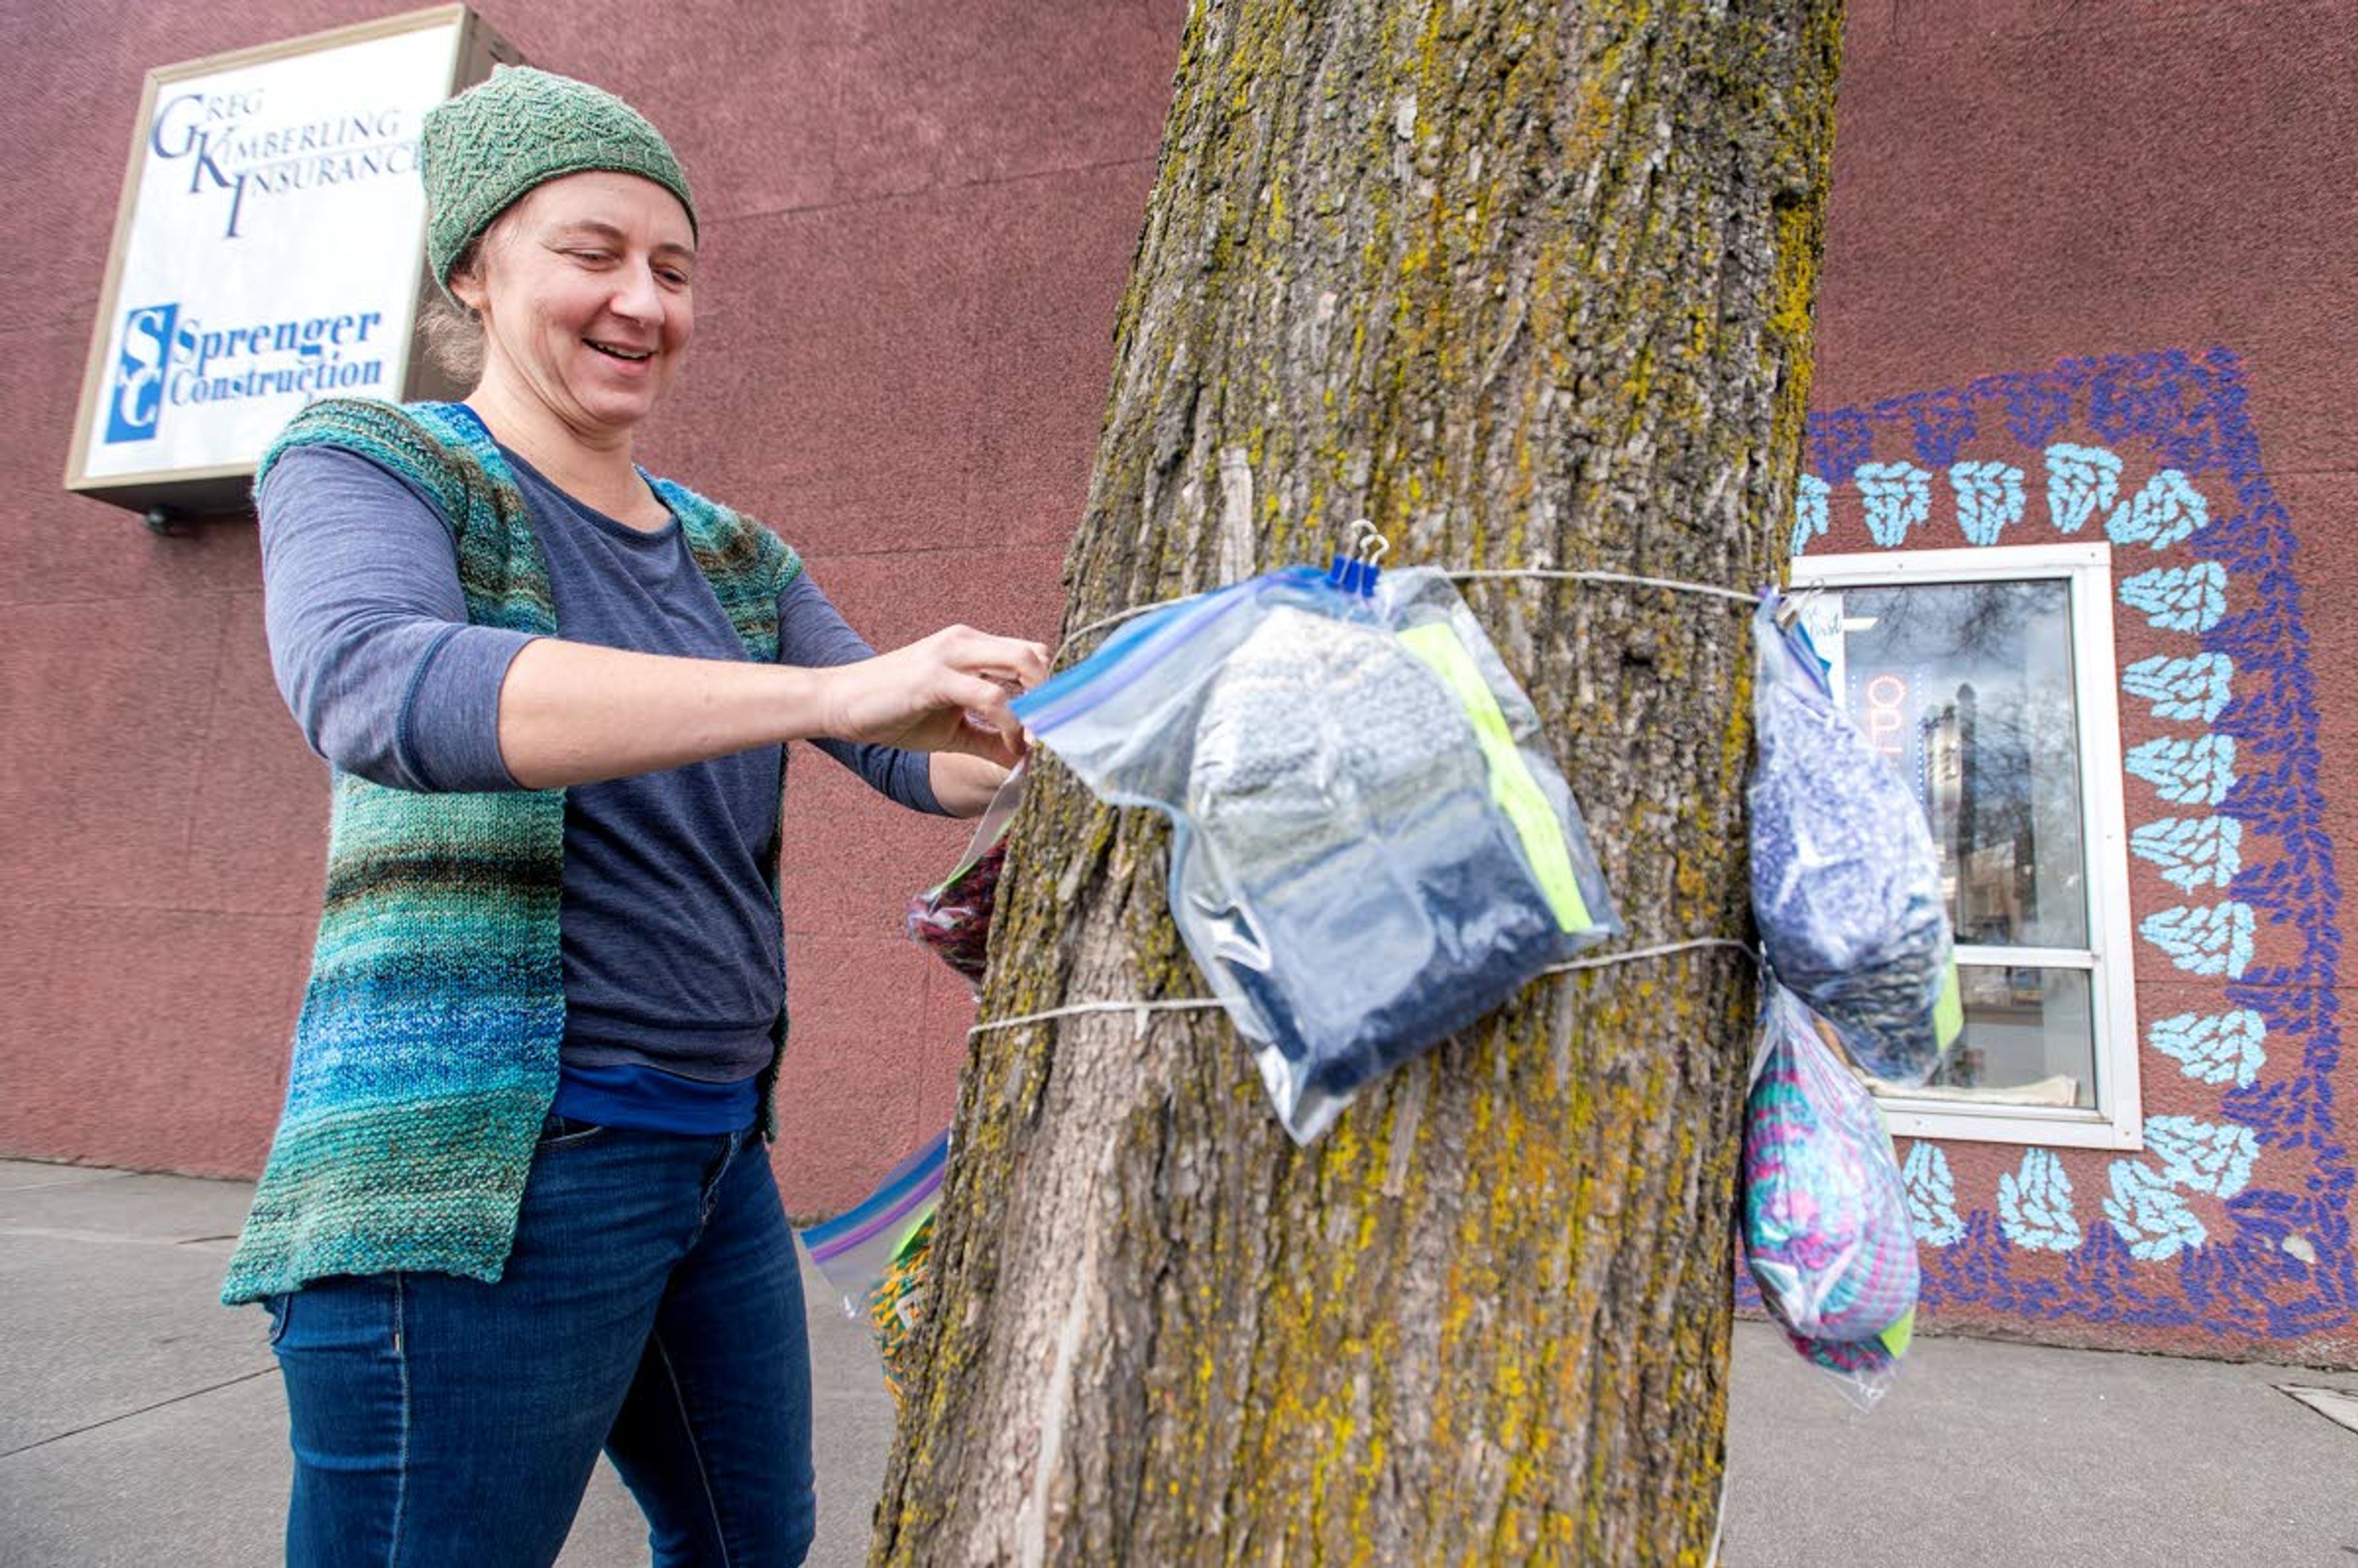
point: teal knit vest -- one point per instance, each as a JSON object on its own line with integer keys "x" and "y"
{"x": 425, "y": 1055}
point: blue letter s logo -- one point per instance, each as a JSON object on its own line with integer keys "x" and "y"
{"x": 135, "y": 400}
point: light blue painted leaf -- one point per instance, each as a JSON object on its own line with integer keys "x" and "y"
{"x": 2206, "y": 939}
{"x": 2194, "y": 687}
{"x": 2214, "y": 1048}
{"x": 2179, "y": 599}
{"x": 2081, "y": 482}
{"x": 2166, "y": 510}
{"x": 2034, "y": 1204}
{"x": 1932, "y": 1196}
{"x": 1808, "y": 511}
{"x": 2193, "y": 851}
{"x": 1898, "y": 497}
{"x": 2202, "y": 1156}
{"x": 2151, "y": 1217}
{"x": 2193, "y": 773}
{"x": 1989, "y": 497}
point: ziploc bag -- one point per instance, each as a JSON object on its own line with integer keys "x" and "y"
{"x": 897, "y": 1306}
{"x": 1827, "y": 1232}
{"x": 953, "y": 917}
{"x": 878, "y": 1252}
{"x": 1846, "y": 882}
{"x": 1371, "y": 847}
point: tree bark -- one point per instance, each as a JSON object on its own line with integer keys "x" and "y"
{"x": 1528, "y": 283}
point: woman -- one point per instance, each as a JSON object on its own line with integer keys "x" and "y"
{"x": 516, "y": 1210}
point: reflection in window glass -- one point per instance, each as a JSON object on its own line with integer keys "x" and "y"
{"x": 2029, "y": 1039}
{"x": 1967, "y": 688}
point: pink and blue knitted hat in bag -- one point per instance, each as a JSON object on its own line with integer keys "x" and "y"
{"x": 1826, "y": 1230}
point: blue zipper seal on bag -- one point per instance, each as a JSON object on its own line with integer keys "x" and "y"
{"x": 914, "y": 1181}
{"x": 1113, "y": 668}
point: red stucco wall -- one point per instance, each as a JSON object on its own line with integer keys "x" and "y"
{"x": 918, "y": 221}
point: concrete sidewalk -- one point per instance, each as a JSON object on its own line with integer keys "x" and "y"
{"x": 142, "y": 1425}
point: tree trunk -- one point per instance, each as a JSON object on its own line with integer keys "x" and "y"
{"x": 1528, "y": 283}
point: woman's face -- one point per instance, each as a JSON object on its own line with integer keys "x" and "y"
{"x": 585, "y": 289}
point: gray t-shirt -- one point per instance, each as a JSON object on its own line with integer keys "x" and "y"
{"x": 672, "y": 947}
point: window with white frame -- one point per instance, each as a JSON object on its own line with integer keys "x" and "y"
{"x": 1986, "y": 676}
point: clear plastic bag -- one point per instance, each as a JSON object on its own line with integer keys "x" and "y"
{"x": 1827, "y": 1232}
{"x": 878, "y": 1253}
{"x": 1371, "y": 847}
{"x": 1846, "y": 882}
{"x": 953, "y": 917}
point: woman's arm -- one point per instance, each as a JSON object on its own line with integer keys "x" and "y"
{"x": 964, "y": 785}
{"x": 369, "y": 644}
{"x": 570, "y": 713}
{"x": 368, "y": 632}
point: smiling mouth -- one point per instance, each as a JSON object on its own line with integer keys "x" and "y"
{"x": 629, "y": 356}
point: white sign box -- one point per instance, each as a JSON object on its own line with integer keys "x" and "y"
{"x": 269, "y": 251}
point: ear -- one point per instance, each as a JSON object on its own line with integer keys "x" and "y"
{"x": 467, "y": 284}
{"x": 467, "y": 287}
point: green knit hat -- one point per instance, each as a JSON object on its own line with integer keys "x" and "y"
{"x": 485, "y": 149}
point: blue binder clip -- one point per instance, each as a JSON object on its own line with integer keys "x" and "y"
{"x": 1358, "y": 572}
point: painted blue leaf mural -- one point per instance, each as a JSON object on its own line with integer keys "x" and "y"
{"x": 2193, "y": 851}
{"x": 2202, "y": 1156}
{"x": 2034, "y": 1204}
{"x": 1989, "y": 497}
{"x": 1808, "y": 511}
{"x": 2207, "y": 561}
{"x": 2081, "y": 482}
{"x": 2165, "y": 512}
{"x": 2214, "y": 1048}
{"x": 2189, "y": 772}
{"x": 2151, "y": 1217}
{"x": 2179, "y": 599}
{"x": 2203, "y": 939}
{"x": 1898, "y": 497}
{"x": 1932, "y": 1196}
{"x": 2194, "y": 687}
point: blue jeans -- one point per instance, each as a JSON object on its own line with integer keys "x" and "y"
{"x": 651, "y": 1307}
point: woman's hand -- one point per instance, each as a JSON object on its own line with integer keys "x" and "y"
{"x": 948, "y": 693}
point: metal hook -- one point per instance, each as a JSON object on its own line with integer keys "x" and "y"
{"x": 1796, "y": 605}
{"x": 1367, "y": 542}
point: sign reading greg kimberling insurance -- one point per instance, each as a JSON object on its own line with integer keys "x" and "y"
{"x": 268, "y": 251}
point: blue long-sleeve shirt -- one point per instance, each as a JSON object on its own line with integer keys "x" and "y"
{"x": 672, "y": 949}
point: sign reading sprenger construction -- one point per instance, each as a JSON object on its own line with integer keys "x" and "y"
{"x": 268, "y": 251}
